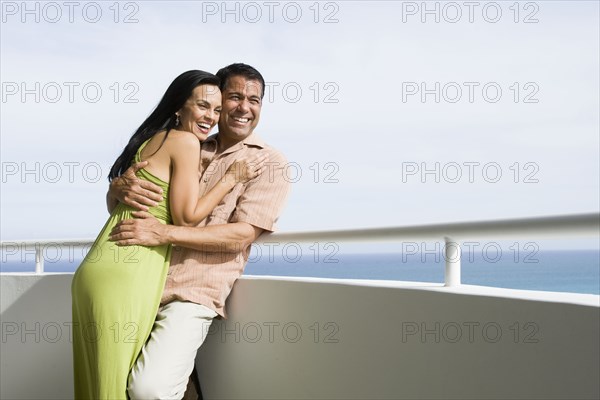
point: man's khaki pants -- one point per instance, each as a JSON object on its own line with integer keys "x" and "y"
{"x": 167, "y": 359}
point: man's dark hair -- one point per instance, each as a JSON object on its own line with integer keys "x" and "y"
{"x": 240, "y": 69}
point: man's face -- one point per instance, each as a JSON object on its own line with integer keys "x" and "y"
{"x": 241, "y": 109}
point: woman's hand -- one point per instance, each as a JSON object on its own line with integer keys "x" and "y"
{"x": 247, "y": 168}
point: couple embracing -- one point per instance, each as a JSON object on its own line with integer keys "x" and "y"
{"x": 185, "y": 208}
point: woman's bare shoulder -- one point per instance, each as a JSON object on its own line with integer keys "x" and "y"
{"x": 182, "y": 144}
{"x": 179, "y": 138}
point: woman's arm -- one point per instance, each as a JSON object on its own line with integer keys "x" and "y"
{"x": 186, "y": 208}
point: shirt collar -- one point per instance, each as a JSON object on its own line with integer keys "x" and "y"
{"x": 211, "y": 144}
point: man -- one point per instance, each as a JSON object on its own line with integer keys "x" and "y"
{"x": 206, "y": 260}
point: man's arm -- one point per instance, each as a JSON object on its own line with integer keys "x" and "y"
{"x": 148, "y": 231}
{"x": 133, "y": 191}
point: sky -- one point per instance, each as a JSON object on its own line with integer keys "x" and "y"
{"x": 390, "y": 113}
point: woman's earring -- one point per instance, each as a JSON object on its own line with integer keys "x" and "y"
{"x": 176, "y": 119}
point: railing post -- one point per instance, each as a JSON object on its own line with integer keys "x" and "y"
{"x": 39, "y": 259}
{"x": 452, "y": 257}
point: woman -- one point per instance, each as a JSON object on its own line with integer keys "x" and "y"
{"x": 116, "y": 290}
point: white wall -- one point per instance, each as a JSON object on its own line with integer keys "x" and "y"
{"x": 36, "y": 357}
{"x": 374, "y": 356}
{"x": 371, "y": 358}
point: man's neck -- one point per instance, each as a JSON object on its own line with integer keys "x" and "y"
{"x": 223, "y": 143}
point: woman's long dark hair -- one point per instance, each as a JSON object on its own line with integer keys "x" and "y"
{"x": 163, "y": 117}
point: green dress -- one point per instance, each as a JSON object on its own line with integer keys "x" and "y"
{"x": 116, "y": 293}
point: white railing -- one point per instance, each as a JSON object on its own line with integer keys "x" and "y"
{"x": 563, "y": 226}
{"x": 12, "y": 247}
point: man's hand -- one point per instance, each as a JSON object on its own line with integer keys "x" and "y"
{"x": 133, "y": 191}
{"x": 144, "y": 230}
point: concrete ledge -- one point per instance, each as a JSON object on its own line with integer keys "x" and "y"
{"x": 591, "y": 300}
{"x": 305, "y": 338}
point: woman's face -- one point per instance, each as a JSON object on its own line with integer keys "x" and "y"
{"x": 201, "y": 111}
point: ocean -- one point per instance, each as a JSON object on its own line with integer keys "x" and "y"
{"x": 575, "y": 271}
